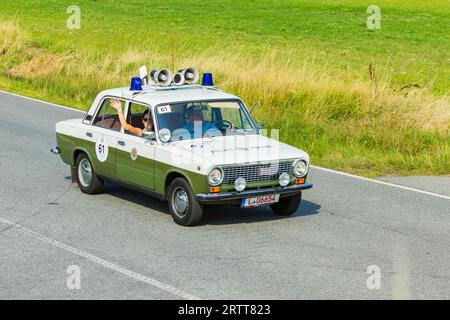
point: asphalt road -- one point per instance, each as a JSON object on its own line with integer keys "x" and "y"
{"x": 127, "y": 246}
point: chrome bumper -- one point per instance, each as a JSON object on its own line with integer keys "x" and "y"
{"x": 226, "y": 196}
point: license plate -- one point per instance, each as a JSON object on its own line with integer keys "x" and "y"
{"x": 260, "y": 201}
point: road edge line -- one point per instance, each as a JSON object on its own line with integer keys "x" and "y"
{"x": 41, "y": 101}
{"x": 382, "y": 182}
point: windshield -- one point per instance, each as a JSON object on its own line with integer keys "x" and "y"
{"x": 192, "y": 120}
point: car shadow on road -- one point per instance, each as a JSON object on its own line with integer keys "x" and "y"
{"x": 136, "y": 197}
{"x": 234, "y": 215}
{"x": 216, "y": 215}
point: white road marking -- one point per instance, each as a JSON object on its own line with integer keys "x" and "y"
{"x": 42, "y": 101}
{"x": 382, "y": 182}
{"x": 315, "y": 167}
{"x": 400, "y": 285}
{"x": 101, "y": 262}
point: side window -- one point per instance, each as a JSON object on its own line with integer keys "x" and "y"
{"x": 138, "y": 115}
{"x": 107, "y": 116}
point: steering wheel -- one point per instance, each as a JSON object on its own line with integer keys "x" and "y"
{"x": 230, "y": 125}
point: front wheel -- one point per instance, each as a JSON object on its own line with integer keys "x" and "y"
{"x": 87, "y": 180}
{"x": 287, "y": 206}
{"x": 183, "y": 205}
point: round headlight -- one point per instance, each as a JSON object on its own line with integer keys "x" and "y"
{"x": 299, "y": 168}
{"x": 215, "y": 176}
{"x": 164, "y": 135}
{"x": 240, "y": 184}
{"x": 284, "y": 179}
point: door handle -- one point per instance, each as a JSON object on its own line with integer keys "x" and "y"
{"x": 121, "y": 143}
{"x": 89, "y": 134}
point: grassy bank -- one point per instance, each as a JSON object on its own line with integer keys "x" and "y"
{"x": 306, "y": 63}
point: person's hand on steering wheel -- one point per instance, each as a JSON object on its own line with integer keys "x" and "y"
{"x": 230, "y": 125}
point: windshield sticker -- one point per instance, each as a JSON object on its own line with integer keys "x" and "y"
{"x": 101, "y": 149}
{"x": 133, "y": 154}
{"x": 164, "y": 109}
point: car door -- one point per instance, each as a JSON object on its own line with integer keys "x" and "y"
{"x": 103, "y": 134}
{"x": 136, "y": 155}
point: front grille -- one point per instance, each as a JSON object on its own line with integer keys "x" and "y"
{"x": 256, "y": 172}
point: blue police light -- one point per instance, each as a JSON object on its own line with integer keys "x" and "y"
{"x": 136, "y": 84}
{"x": 207, "y": 80}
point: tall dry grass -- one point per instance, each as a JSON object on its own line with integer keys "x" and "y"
{"x": 346, "y": 123}
{"x": 12, "y": 38}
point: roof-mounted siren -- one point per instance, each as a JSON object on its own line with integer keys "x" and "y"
{"x": 161, "y": 77}
{"x": 178, "y": 79}
{"x": 190, "y": 75}
{"x": 143, "y": 75}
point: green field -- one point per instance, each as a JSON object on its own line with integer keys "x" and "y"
{"x": 306, "y": 62}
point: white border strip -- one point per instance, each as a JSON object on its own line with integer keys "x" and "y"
{"x": 102, "y": 262}
{"x": 382, "y": 182}
{"x": 42, "y": 101}
{"x": 315, "y": 167}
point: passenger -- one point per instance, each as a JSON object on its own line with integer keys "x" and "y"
{"x": 195, "y": 115}
{"x": 146, "y": 120}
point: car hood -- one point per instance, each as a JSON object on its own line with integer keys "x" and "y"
{"x": 240, "y": 149}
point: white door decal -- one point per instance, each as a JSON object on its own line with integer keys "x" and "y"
{"x": 101, "y": 149}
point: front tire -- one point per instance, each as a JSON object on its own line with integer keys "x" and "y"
{"x": 287, "y": 206}
{"x": 86, "y": 178}
{"x": 183, "y": 206}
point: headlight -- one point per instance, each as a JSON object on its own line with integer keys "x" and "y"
{"x": 164, "y": 135}
{"x": 215, "y": 176}
{"x": 284, "y": 179}
{"x": 299, "y": 168}
{"x": 240, "y": 184}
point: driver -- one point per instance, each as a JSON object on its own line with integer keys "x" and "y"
{"x": 195, "y": 120}
{"x": 146, "y": 120}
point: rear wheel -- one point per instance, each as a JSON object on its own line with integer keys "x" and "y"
{"x": 87, "y": 180}
{"x": 183, "y": 205}
{"x": 287, "y": 206}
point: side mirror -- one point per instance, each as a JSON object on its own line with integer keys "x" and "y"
{"x": 260, "y": 126}
{"x": 149, "y": 135}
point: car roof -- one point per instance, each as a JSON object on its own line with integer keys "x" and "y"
{"x": 153, "y": 95}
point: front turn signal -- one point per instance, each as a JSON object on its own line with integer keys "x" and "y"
{"x": 214, "y": 189}
{"x": 300, "y": 181}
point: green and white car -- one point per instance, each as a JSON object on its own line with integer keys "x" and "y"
{"x": 234, "y": 164}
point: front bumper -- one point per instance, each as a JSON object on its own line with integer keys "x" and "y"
{"x": 55, "y": 150}
{"x": 231, "y": 197}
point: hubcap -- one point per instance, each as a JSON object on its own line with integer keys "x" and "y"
{"x": 85, "y": 172}
{"x": 180, "y": 202}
